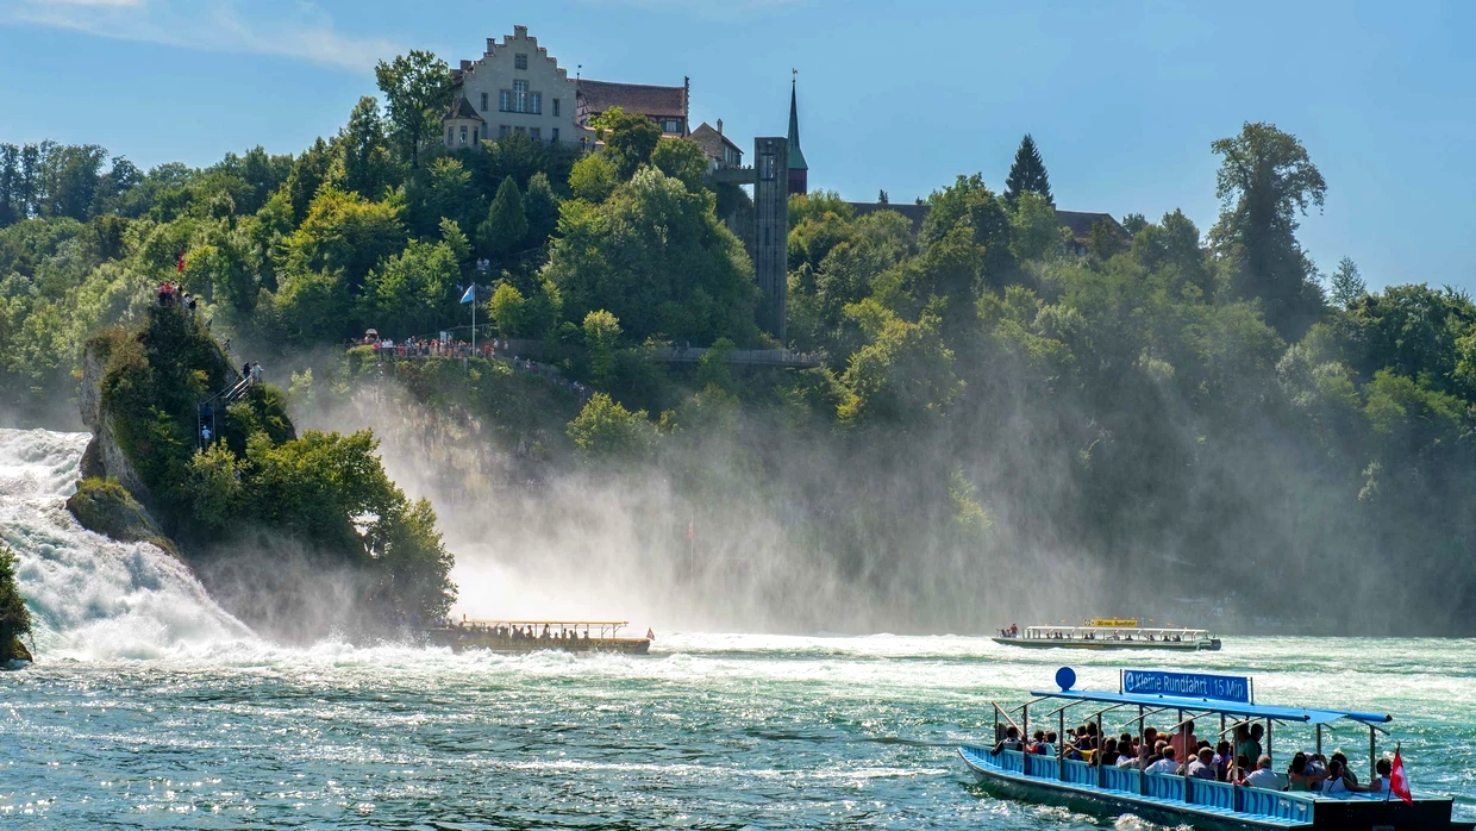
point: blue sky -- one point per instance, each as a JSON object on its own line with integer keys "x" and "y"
{"x": 1123, "y": 98}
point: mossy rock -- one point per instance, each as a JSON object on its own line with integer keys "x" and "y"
{"x": 106, "y": 507}
{"x": 16, "y": 652}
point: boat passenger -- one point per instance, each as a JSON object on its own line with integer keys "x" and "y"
{"x": 1299, "y": 778}
{"x": 1336, "y": 784}
{"x": 1184, "y": 742}
{"x": 1203, "y": 766}
{"x": 1166, "y": 765}
{"x": 1263, "y": 777}
{"x": 1036, "y": 740}
{"x": 1049, "y": 748}
{"x": 1011, "y": 740}
{"x": 1380, "y": 784}
{"x": 1347, "y": 769}
{"x": 1108, "y": 754}
{"x": 1242, "y": 767}
{"x": 1223, "y": 759}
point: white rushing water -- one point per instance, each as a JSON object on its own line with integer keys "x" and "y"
{"x": 92, "y": 597}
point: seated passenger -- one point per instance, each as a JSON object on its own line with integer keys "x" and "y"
{"x": 1011, "y": 740}
{"x": 1348, "y": 773}
{"x": 1223, "y": 760}
{"x": 1166, "y": 765}
{"x": 1380, "y": 783}
{"x": 1107, "y": 756}
{"x": 1203, "y": 767}
{"x": 1263, "y": 776}
{"x": 1240, "y": 770}
{"x": 1050, "y": 744}
{"x": 1299, "y": 778}
{"x": 1184, "y": 742}
{"x": 1036, "y": 740}
{"x": 1336, "y": 785}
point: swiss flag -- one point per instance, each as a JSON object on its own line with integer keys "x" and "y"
{"x": 1398, "y": 782}
{"x": 179, "y": 263}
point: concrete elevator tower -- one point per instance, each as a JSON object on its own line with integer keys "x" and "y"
{"x": 771, "y": 189}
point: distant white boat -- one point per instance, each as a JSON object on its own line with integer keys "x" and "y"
{"x": 1109, "y": 633}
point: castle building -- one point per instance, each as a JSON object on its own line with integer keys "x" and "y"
{"x": 721, "y": 152}
{"x": 516, "y": 87}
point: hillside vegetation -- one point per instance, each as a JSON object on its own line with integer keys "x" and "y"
{"x": 1198, "y": 421}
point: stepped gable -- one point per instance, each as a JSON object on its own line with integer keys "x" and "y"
{"x": 493, "y": 47}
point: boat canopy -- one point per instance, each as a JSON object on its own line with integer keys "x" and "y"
{"x": 1229, "y": 708}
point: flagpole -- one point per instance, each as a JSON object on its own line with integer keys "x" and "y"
{"x": 474, "y": 318}
{"x": 1390, "y": 792}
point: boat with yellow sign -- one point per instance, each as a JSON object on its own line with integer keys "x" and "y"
{"x": 1109, "y": 633}
{"x": 536, "y": 635}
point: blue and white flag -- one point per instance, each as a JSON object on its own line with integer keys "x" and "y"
{"x": 470, "y": 296}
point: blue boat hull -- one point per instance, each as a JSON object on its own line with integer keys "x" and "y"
{"x": 1351, "y": 815}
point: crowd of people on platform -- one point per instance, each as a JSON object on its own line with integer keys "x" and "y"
{"x": 414, "y": 347}
{"x": 173, "y": 295}
{"x": 1181, "y": 753}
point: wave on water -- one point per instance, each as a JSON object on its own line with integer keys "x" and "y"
{"x": 91, "y": 597}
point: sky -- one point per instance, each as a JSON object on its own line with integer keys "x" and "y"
{"x": 1123, "y": 98}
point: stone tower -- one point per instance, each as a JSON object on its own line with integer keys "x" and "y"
{"x": 799, "y": 172}
{"x": 772, "y": 183}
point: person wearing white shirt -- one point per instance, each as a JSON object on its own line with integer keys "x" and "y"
{"x": 1166, "y": 765}
{"x": 1263, "y": 776}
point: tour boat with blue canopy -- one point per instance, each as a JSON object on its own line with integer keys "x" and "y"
{"x": 1181, "y": 798}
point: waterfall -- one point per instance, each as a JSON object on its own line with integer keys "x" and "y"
{"x": 92, "y": 597}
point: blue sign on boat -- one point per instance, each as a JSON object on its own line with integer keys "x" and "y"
{"x": 1233, "y": 688}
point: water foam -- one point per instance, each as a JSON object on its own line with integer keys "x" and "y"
{"x": 92, "y": 597}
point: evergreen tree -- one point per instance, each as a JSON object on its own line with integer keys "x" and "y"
{"x": 541, "y": 208}
{"x": 1346, "y": 284}
{"x": 363, "y": 164}
{"x": 502, "y": 232}
{"x": 1028, "y": 173}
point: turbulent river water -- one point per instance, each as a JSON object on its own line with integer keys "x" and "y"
{"x": 150, "y": 707}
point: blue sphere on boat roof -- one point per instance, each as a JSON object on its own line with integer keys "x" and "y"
{"x": 1065, "y": 678}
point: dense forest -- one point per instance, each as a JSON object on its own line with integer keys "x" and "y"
{"x": 1198, "y": 425}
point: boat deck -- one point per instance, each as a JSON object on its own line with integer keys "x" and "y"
{"x": 1208, "y": 804}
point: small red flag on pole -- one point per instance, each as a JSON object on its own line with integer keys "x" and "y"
{"x": 1398, "y": 781}
{"x": 179, "y": 263}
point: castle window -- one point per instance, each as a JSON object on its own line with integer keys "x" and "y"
{"x": 535, "y": 103}
{"x": 504, "y": 101}
{"x": 535, "y": 133}
{"x": 450, "y": 136}
{"x": 520, "y": 97}
{"x": 556, "y": 108}
{"x": 555, "y": 137}
{"x": 520, "y": 61}
{"x": 463, "y": 134}
{"x": 484, "y": 102}
{"x": 502, "y": 131}
{"x": 671, "y": 125}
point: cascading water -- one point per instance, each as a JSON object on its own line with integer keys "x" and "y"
{"x": 92, "y": 597}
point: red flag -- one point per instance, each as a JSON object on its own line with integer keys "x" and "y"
{"x": 650, "y": 634}
{"x": 179, "y": 264}
{"x": 1398, "y": 782}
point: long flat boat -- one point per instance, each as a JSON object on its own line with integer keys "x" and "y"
{"x": 1109, "y": 633}
{"x": 538, "y": 635}
{"x": 1181, "y": 799}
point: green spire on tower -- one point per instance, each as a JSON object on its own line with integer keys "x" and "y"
{"x": 796, "y": 156}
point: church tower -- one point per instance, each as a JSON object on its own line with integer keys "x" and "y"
{"x": 798, "y": 170}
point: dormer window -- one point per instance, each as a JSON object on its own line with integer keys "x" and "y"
{"x": 520, "y": 61}
{"x": 671, "y": 125}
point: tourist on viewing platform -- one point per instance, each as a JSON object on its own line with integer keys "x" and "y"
{"x": 1264, "y": 776}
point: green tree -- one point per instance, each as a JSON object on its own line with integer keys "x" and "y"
{"x": 682, "y": 159}
{"x": 411, "y": 292}
{"x": 606, "y": 430}
{"x": 363, "y": 164}
{"x": 1265, "y": 181}
{"x": 594, "y": 178}
{"x": 1346, "y": 284}
{"x": 1028, "y": 173}
{"x": 15, "y": 618}
{"x": 509, "y": 310}
{"x": 1034, "y": 231}
{"x": 502, "y": 233}
{"x": 345, "y": 233}
{"x": 417, "y": 88}
{"x": 630, "y": 138}
{"x": 308, "y": 173}
{"x": 601, "y": 337}
{"x": 541, "y": 208}
{"x": 655, "y": 256}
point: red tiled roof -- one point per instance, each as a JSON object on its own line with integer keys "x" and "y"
{"x": 634, "y": 98}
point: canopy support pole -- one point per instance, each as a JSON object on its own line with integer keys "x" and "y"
{"x": 1319, "y": 740}
{"x": 1061, "y": 745}
{"x": 1184, "y": 743}
{"x": 1373, "y": 750}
